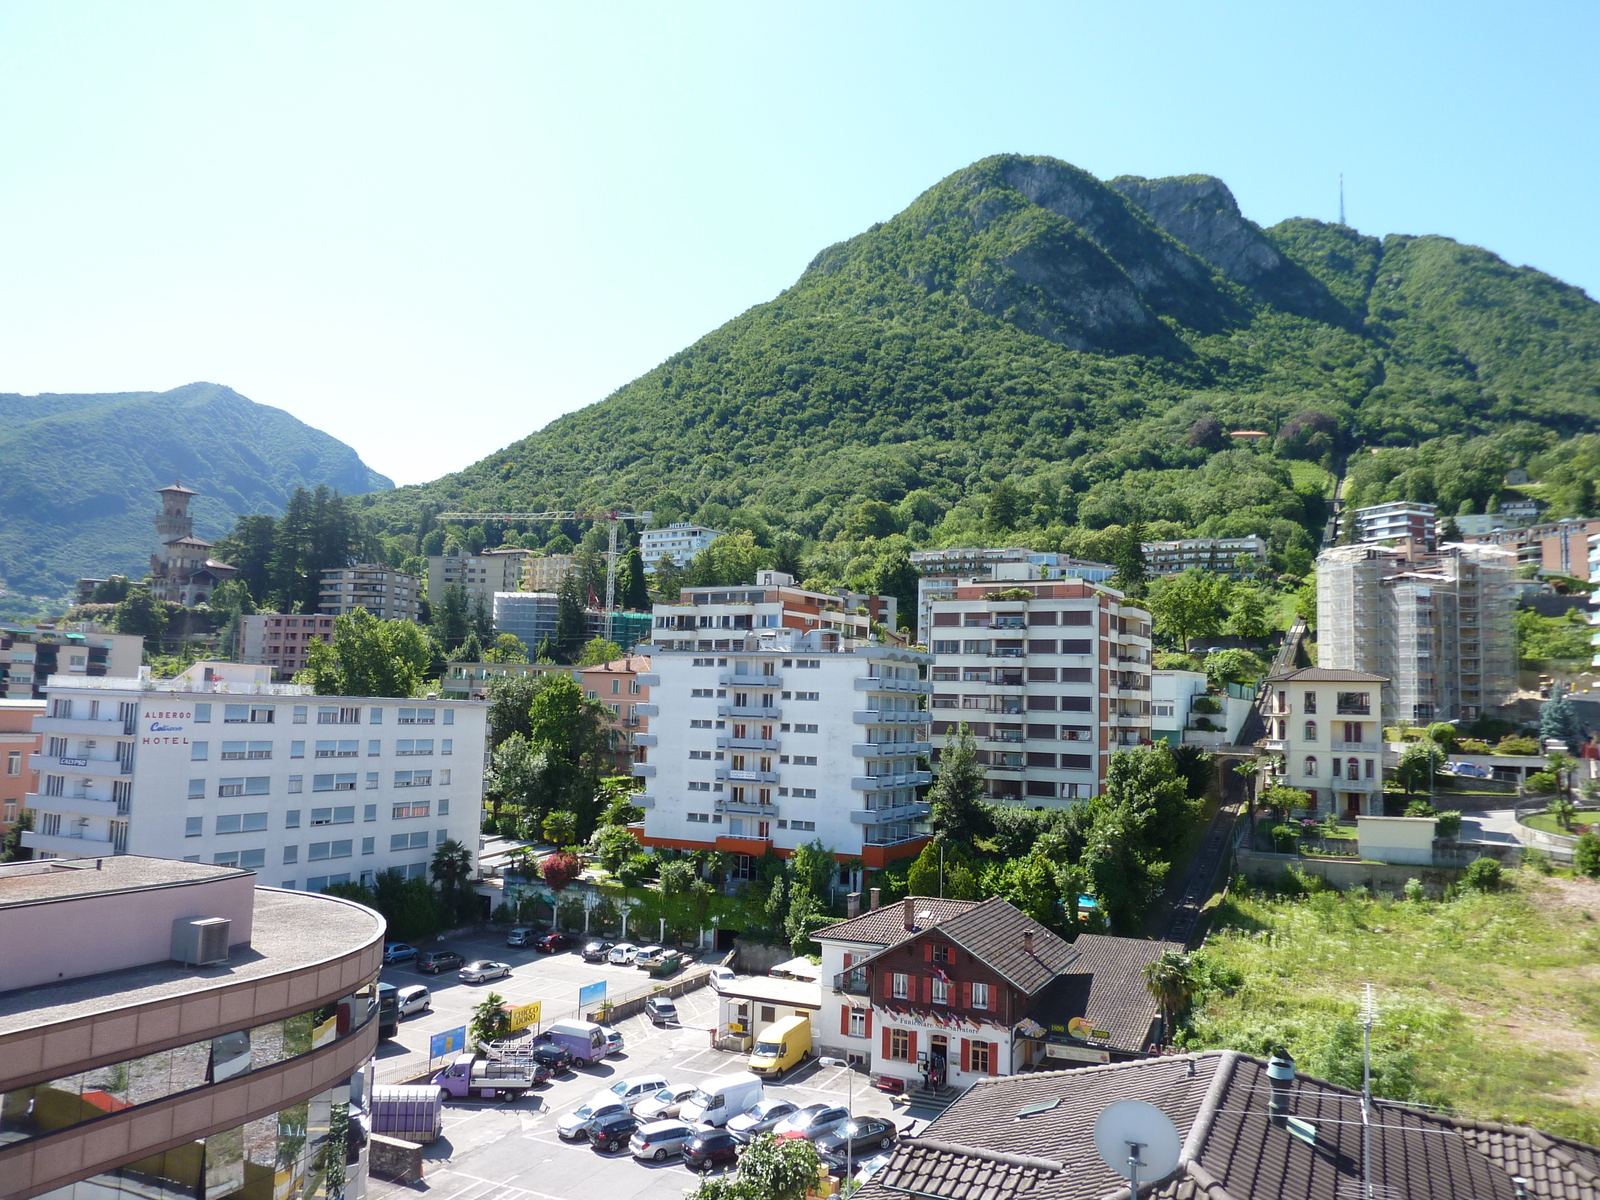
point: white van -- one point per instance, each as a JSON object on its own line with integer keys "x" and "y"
{"x": 726, "y": 1096}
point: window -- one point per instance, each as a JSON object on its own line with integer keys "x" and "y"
{"x": 414, "y": 746}
{"x": 1352, "y": 769}
{"x": 252, "y": 860}
{"x": 197, "y": 789}
{"x": 441, "y": 836}
{"x": 698, "y": 818}
{"x": 900, "y": 1044}
{"x": 343, "y": 815}
{"x": 1369, "y": 768}
{"x": 805, "y": 760}
{"x": 233, "y": 750}
{"x": 291, "y": 819}
{"x": 941, "y": 954}
{"x": 407, "y": 779}
{"x": 369, "y": 845}
{"x": 193, "y": 826}
{"x": 334, "y": 783}
{"x": 242, "y": 823}
{"x": 401, "y": 812}
{"x": 416, "y": 716}
{"x": 369, "y": 812}
{"x": 979, "y": 1056}
{"x": 199, "y": 751}
{"x": 805, "y": 728}
{"x": 803, "y": 826}
{"x": 202, "y": 714}
{"x": 858, "y": 1022}
{"x": 374, "y": 748}
{"x": 299, "y": 714}
{"x": 322, "y": 850}
{"x": 408, "y": 841}
{"x": 228, "y": 859}
{"x": 695, "y": 786}
{"x": 944, "y": 646}
{"x": 941, "y": 991}
{"x": 1311, "y": 765}
{"x": 900, "y": 987}
{"x": 1311, "y": 703}
{"x": 235, "y": 714}
{"x": 296, "y": 782}
{"x": 377, "y": 716}
{"x": 447, "y": 746}
{"x": 14, "y": 762}
{"x": 315, "y": 883}
{"x": 1311, "y": 731}
{"x": 806, "y": 695}
{"x": 349, "y": 748}
{"x": 372, "y": 779}
{"x": 699, "y": 724}
{"x": 980, "y": 995}
{"x": 444, "y": 777}
{"x": 297, "y": 749}
{"x": 291, "y": 854}
{"x": 449, "y": 716}
{"x": 1357, "y": 704}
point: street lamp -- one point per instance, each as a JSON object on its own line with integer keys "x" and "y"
{"x": 850, "y": 1114}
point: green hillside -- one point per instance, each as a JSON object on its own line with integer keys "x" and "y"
{"x": 1080, "y": 341}
{"x": 78, "y": 473}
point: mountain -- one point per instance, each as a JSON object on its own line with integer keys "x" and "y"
{"x": 78, "y": 473}
{"x": 1075, "y": 344}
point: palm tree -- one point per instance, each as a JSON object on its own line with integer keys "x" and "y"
{"x": 1563, "y": 810}
{"x": 1171, "y": 981}
{"x": 451, "y": 869}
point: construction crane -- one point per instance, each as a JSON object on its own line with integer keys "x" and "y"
{"x": 613, "y": 517}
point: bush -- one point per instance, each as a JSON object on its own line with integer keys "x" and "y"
{"x": 1284, "y": 838}
{"x": 1542, "y": 783}
{"x": 1419, "y": 808}
{"x": 502, "y": 914}
{"x": 1535, "y": 859}
{"x": 1206, "y": 704}
{"x": 1482, "y": 875}
{"x": 1414, "y": 891}
{"x": 560, "y": 869}
{"x": 1511, "y": 744}
{"x": 1585, "y": 856}
{"x": 1204, "y": 723}
{"x": 1472, "y": 746}
{"x": 1449, "y": 824}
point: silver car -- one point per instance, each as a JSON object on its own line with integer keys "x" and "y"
{"x": 575, "y": 1125}
{"x": 659, "y": 1140}
{"x": 483, "y": 970}
{"x": 760, "y": 1119}
{"x": 663, "y": 1104}
{"x": 814, "y": 1120}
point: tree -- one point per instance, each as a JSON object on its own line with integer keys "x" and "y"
{"x": 248, "y": 549}
{"x": 1285, "y": 800}
{"x": 560, "y": 869}
{"x": 1450, "y": 531}
{"x": 409, "y": 905}
{"x": 510, "y": 701}
{"x": 490, "y": 1021}
{"x": 958, "y": 814}
{"x": 1190, "y": 604}
{"x": 1002, "y": 508}
{"x": 11, "y": 847}
{"x": 1128, "y": 558}
{"x": 1247, "y": 613}
{"x": 508, "y": 648}
{"x": 1586, "y": 855}
{"x": 572, "y": 626}
{"x": 769, "y": 1169}
{"x": 613, "y": 845}
{"x": 734, "y": 558}
{"x": 1027, "y": 883}
{"x": 632, "y": 593}
{"x": 668, "y": 578}
{"x": 922, "y": 879}
{"x": 1558, "y": 719}
{"x": 895, "y": 575}
{"x": 1564, "y": 811}
{"x": 1209, "y": 434}
{"x": 369, "y": 657}
{"x": 598, "y": 651}
{"x": 451, "y": 869}
{"x": 141, "y": 613}
{"x": 1171, "y": 981}
{"x": 1145, "y": 781}
{"x": 451, "y": 619}
{"x": 1123, "y": 880}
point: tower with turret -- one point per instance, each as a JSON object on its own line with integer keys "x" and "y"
{"x": 182, "y": 569}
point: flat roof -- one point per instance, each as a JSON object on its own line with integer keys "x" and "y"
{"x": 76, "y": 878}
{"x": 292, "y": 930}
{"x": 773, "y": 991}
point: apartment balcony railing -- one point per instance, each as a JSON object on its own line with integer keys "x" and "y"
{"x": 873, "y": 716}
{"x": 728, "y": 743}
{"x": 748, "y": 808}
{"x": 755, "y": 683}
{"x": 647, "y": 710}
{"x": 853, "y": 982}
{"x": 98, "y": 767}
{"x": 644, "y": 770}
{"x": 728, "y": 773}
{"x": 74, "y": 805}
{"x": 1357, "y": 747}
{"x": 728, "y": 710}
{"x": 889, "y": 749}
{"x": 873, "y": 783}
{"x": 887, "y": 816}
{"x": 920, "y": 687}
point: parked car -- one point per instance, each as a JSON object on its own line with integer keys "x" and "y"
{"x": 431, "y": 962}
{"x": 413, "y": 1000}
{"x": 549, "y": 943}
{"x": 709, "y": 1147}
{"x": 781, "y": 1046}
{"x": 763, "y": 1118}
{"x": 646, "y": 957}
{"x": 520, "y": 936}
{"x": 575, "y": 1125}
{"x": 721, "y": 977}
{"x": 864, "y": 1135}
{"x": 661, "y": 1010}
{"x": 668, "y": 1102}
{"x": 597, "y": 951}
{"x": 557, "y": 1058}
{"x": 584, "y": 1040}
{"x": 660, "y": 1139}
{"x": 614, "y": 1043}
{"x": 812, "y": 1121}
{"x": 622, "y": 954}
{"x": 722, "y": 1097}
{"x": 394, "y": 952}
{"x": 612, "y": 1133}
{"x": 636, "y": 1088}
{"x": 483, "y": 970}
{"x": 1470, "y": 769}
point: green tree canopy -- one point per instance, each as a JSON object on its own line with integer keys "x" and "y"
{"x": 1191, "y": 604}
{"x": 369, "y": 657}
{"x": 956, "y": 795}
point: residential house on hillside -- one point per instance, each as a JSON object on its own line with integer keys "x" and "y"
{"x": 1325, "y": 737}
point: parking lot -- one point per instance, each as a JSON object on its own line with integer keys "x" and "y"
{"x": 510, "y": 1151}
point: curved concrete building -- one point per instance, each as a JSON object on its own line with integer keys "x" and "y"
{"x": 168, "y": 1029}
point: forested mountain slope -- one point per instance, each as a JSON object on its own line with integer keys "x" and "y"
{"x": 1022, "y": 321}
{"x": 78, "y": 473}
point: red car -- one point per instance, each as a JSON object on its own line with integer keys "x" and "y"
{"x": 551, "y": 942}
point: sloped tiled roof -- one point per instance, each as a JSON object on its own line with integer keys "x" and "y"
{"x": 1326, "y": 675}
{"x": 982, "y": 1148}
{"x": 993, "y": 933}
{"x": 886, "y": 926}
{"x": 1105, "y": 982}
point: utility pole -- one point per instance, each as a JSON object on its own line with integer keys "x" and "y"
{"x": 1369, "y": 1018}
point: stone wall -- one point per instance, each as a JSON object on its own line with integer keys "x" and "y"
{"x": 393, "y": 1159}
{"x": 1342, "y": 874}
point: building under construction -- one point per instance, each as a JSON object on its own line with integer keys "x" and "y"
{"x": 1439, "y": 624}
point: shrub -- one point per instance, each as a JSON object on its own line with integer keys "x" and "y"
{"x": 1482, "y": 875}
{"x": 1206, "y": 704}
{"x": 1472, "y": 746}
{"x": 1449, "y": 824}
{"x": 1542, "y": 783}
{"x": 1203, "y": 723}
{"x": 502, "y": 914}
{"x": 1585, "y": 855}
{"x": 1535, "y": 859}
{"x": 1284, "y": 838}
{"x": 560, "y": 869}
{"x": 1414, "y": 891}
{"x": 1419, "y": 808}
{"x": 1511, "y": 744}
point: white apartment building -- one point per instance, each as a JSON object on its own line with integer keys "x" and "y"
{"x": 1398, "y": 520}
{"x": 30, "y": 655}
{"x": 705, "y": 618}
{"x": 682, "y": 539}
{"x": 376, "y": 587}
{"x": 1325, "y": 737}
{"x": 1050, "y": 676}
{"x": 1172, "y": 696}
{"x": 479, "y": 575}
{"x": 941, "y": 570}
{"x": 1207, "y": 554}
{"x": 219, "y": 765}
{"x": 775, "y": 737}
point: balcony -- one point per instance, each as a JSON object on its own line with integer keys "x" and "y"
{"x": 1008, "y": 652}
{"x": 97, "y": 767}
{"x": 728, "y": 743}
{"x": 754, "y": 682}
{"x": 77, "y": 806}
{"x": 1357, "y": 747}
{"x": 747, "y": 776}
{"x": 644, "y": 739}
{"x": 644, "y": 770}
{"x": 890, "y": 816}
{"x": 642, "y": 800}
{"x": 69, "y": 847}
{"x": 62, "y": 727}
{"x": 889, "y": 749}
{"x": 873, "y": 783}
{"x": 1130, "y": 719}
{"x": 873, "y": 716}
{"x": 854, "y": 982}
{"x": 648, "y": 680}
{"x": 745, "y": 808}
{"x": 646, "y": 710}
{"x": 920, "y": 687}
{"x": 1008, "y": 682}
{"x": 729, "y": 710}
{"x": 1004, "y": 739}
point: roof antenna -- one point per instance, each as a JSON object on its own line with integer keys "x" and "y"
{"x": 1341, "y": 197}
{"x": 1369, "y": 1018}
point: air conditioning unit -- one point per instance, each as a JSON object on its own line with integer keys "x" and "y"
{"x": 201, "y": 941}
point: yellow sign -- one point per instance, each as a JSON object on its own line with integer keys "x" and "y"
{"x": 527, "y": 1015}
{"x": 1082, "y": 1027}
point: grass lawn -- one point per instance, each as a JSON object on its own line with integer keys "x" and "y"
{"x": 1490, "y": 1003}
{"x": 1308, "y": 475}
{"x": 1548, "y": 824}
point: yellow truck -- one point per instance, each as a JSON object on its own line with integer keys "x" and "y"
{"x": 780, "y": 1046}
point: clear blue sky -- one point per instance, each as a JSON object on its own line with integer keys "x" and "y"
{"x": 431, "y": 229}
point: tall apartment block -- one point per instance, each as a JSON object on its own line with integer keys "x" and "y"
{"x": 377, "y": 587}
{"x": 31, "y": 654}
{"x": 1397, "y": 521}
{"x": 1439, "y": 626}
{"x": 1051, "y": 676}
{"x": 682, "y": 539}
{"x": 479, "y": 575}
{"x": 18, "y": 744}
{"x": 942, "y": 570}
{"x": 1555, "y": 547}
{"x": 617, "y": 685}
{"x": 547, "y": 572}
{"x": 770, "y": 737}
{"x": 1207, "y": 554}
{"x": 707, "y": 617}
{"x": 218, "y": 765}
{"x": 280, "y": 641}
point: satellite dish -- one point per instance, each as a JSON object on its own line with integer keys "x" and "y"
{"x": 1137, "y": 1141}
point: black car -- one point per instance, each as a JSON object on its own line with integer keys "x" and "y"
{"x": 596, "y": 951}
{"x": 610, "y": 1134}
{"x": 865, "y": 1136}
{"x": 556, "y": 1058}
{"x": 431, "y": 962}
{"x": 708, "y": 1149}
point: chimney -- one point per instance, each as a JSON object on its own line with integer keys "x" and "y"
{"x": 1280, "y": 1074}
{"x": 852, "y": 905}
{"x": 876, "y": 898}
{"x": 1027, "y": 941}
{"x": 908, "y": 917}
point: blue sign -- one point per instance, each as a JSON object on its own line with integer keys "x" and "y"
{"x": 593, "y": 993}
{"x": 451, "y": 1041}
